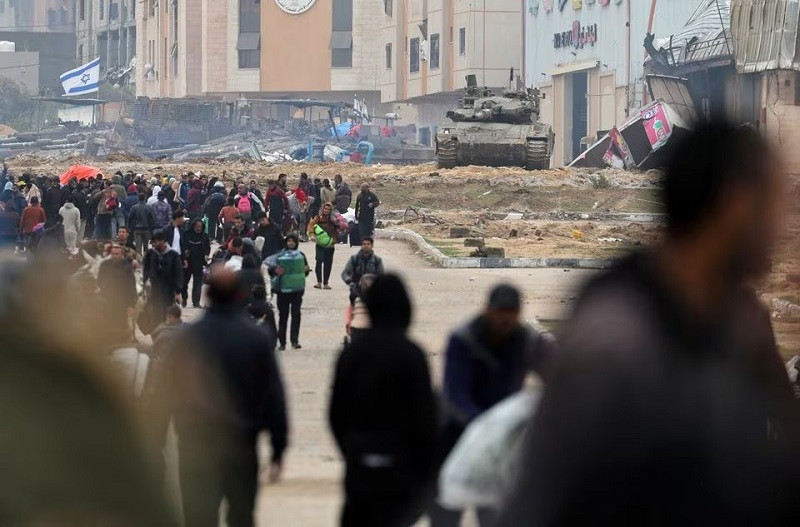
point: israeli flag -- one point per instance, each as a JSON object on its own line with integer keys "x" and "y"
{"x": 83, "y": 79}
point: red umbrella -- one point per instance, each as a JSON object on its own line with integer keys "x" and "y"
{"x": 79, "y": 172}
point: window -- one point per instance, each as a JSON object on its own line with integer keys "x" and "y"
{"x": 102, "y": 9}
{"x": 388, "y": 56}
{"x": 80, "y": 53}
{"x": 2, "y": 6}
{"x": 52, "y": 18}
{"x": 113, "y": 11}
{"x": 387, "y": 7}
{"x": 462, "y": 41}
{"x": 342, "y": 34}
{"x": 64, "y": 16}
{"x": 414, "y": 55}
{"x": 434, "y": 52}
{"x": 425, "y": 136}
{"x": 342, "y": 58}
{"x": 249, "y": 45}
{"x": 173, "y": 54}
{"x": 82, "y": 9}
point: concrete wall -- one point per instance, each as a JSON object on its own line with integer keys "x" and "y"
{"x": 149, "y": 50}
{"x": 21, "y": 67}
{"x": 368, "y": 50}
{"x": 214, "y": 47}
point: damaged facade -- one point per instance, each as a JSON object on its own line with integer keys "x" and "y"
{"x": 588, "y": 60}
{"x": 765, "y": 34}
{"x": 107, "y": 29}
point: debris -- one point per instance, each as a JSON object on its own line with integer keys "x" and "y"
{"x": 474, "y": 242}
{"x": 495, "y": 252}
{"x": 640, "y": 142}
{"x": 513, "y": 233}
{"x": 576, "y": 234}
{"x": 609, "y": 240}
{"x": 460, "y": 232}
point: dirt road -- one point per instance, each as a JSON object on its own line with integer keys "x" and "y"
{"x": 309, "y": 494}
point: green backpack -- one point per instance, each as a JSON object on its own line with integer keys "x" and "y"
{"x": 323, "y": 238}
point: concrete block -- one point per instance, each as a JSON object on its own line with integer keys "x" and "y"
{"x": 459, "y": 232}
{"x": 495, "y": 252}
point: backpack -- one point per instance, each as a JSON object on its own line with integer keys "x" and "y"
{"x": 323, "y": 238}
{"x": 244, "y": 204}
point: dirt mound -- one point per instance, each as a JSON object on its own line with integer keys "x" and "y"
{"x": 121, "y": 157}
{"x": 6, "y": 131}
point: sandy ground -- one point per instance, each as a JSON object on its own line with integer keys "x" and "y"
{"x": 309, "y": 494}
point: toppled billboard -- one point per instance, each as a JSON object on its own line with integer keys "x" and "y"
{"x": 643, "y": 140}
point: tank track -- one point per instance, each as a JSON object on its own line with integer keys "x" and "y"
{"x": 446, "y": 157}
{"x": 536, "y": 155}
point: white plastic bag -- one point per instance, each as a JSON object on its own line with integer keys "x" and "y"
{"x": 483, "y": 465}
{"x": 133, "y": 367}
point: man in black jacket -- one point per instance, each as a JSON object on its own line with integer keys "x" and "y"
{"x": 343, "y": 194}
{"x": 196, "y": 248}
{"x": 174, "y": 232}
{"x": 164, "y": 270}
{"x": 212, "y": 207}
{"x": 51, "y": 201}
{"x": 141, "y": 222}
{"x": 383, "y": 415}
{"x": 223, "y": 387}
{"x": 363, "y": 262}
{"x": 366, "y": 203}
{"x": 273, "y": 239}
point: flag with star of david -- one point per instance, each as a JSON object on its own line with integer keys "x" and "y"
{"x": 83, "y": 79}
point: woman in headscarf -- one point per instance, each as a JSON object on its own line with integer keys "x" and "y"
{"x": 154, "y": 196}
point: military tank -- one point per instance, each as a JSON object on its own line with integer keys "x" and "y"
{"x": 495, "y": 130}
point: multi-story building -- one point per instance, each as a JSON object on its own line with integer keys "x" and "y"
{"x": 587, "y": 57}
{"x": 43, "y": 37}
{"x": 322, "y": 49}
{"x": 41, "y": 16}
{"x": 107, "y": 29}
{"x": 430, "y": 46}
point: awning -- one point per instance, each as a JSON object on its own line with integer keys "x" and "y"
{"x": 249, "y": 42}
{"x": 572, "y": 67}
{"x": 341, "y": 39}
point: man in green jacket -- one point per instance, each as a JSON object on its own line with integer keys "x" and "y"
{"x": 289, "y": 269}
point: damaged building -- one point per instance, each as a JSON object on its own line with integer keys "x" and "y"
{"x": 765, "y": 36}
{"x": 587, "y": 59}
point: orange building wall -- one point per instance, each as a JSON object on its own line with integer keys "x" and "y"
{"x": 295, "y": 49}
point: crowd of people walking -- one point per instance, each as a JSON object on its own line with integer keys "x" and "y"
{"x": 664, "y": 400}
